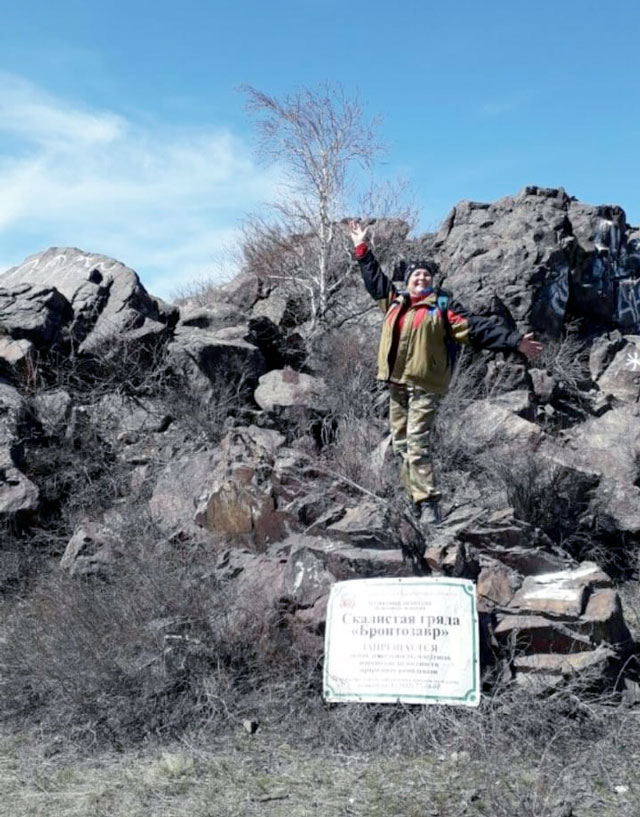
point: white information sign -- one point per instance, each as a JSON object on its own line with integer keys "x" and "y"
{"x": 407, "y": 639}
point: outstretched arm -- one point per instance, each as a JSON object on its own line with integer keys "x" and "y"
{"x": 490, "y": 333}
{"x": 376, "y": 282}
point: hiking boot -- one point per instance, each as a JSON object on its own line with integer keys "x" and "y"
{"x": 430, "y": 512}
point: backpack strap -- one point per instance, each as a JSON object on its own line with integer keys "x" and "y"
{"x": 452, "y": 347}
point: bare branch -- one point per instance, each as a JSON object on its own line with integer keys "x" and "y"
{"x": 321, "y": 138}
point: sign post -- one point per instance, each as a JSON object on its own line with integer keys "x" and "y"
{"x": 407, "y": 639}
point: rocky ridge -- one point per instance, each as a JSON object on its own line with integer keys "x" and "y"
{"x": 283, "y": 525}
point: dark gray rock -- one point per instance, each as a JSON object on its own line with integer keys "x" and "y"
{"x": 238, "y": 500}
{"x": 603, "y": 350}
{"x": 53, "y": 409}
{"x": 514, "y": 249}
{"x": 540, "y": 671}
{"x": 490, "y": 424}
{"x": 212, "y": 316}
{"x": 19, "y": 497}
{"x": 97, "y": 297}
{"x": 123, "y": 417}
{"x": 296, "y": 574}
{"x": 608, "y": 445}
{"x": 92, "y": 550}
{"x": 366, "y": 525}
{"x": 178, "y": 490}
{"x": 228, "y": 492}
{"x": 518, "y": 401}
{"x": 542, "y": 252}
{"x": 214, "y": 360}
{"x": 284, "y": 309}
{"x": 33, "y": 312}
{"x": 243, "y": 291}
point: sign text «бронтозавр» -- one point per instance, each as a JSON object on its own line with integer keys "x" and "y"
{"x": 412, "y": 640}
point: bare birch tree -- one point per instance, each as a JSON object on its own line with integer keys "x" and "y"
{"x": 320, "y": 138}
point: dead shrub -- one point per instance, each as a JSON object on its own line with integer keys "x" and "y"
{"x": 355, "y": 453}
{"x": 545, "y": 495}
{"x": 200, "y": 292}
{"x": 151, "y": 652}
{"x": 454, "y": 462}
{"x": 355, "y": 419}
{"x": 346, "y": 360}
{"x": 566, "y": 360}
{"x": 75, "y": 468}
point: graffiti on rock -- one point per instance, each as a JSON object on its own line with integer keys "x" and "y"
{"x": 550, "y": 306}
{"x": 612, "y": 274}
{"x": 558, "y": 292}
{"x": 628, "y": 304}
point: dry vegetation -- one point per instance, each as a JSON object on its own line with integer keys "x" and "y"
{"x": 514, "y": 756}
{"x": 127, "y": 695}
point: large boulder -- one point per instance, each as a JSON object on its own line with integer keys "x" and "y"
{"x": 228, "y": 492}
{"x": 122, "y": 418}
{"x": 213, "y": 316}
{"x": 295, "y": 577}
{"x": 513, "y": 248}
{"x": 604, "y": 451}
{"x": 92, "y": 550}
{"x": 608, "y": 445}
{"x": 95, "y": 296}
{"x": 545, "y": 256}
{"x": 286, "y": 310}
{"x": 603, "y": 349}
{"x": 238, "y": 499}
{"x": 17, "y": 358}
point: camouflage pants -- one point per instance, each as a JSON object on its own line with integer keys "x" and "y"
{"x": 412, "y": 412}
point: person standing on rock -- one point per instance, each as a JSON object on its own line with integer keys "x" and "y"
{"x": 415, "y": 358}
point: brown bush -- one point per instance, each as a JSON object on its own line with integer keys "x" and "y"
{"x": 152, "y": 652}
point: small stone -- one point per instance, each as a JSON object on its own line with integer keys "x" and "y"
{"x": 250, "y": 726}
{"x": 631, "y": 693}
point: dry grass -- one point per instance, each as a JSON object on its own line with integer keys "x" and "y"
{"x": 482, "y": 765}
{"x": 148, "y": 651}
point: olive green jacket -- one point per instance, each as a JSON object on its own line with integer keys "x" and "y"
{"x": 422, "y": 354}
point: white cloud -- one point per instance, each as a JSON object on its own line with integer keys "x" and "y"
{"x": 32, "y": 113}
{"x": 165, "y": 200}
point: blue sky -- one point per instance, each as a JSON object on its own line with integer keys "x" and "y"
{"x": 122, "y": 130}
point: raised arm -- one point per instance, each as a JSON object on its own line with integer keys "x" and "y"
{"x": 376, "y": 282}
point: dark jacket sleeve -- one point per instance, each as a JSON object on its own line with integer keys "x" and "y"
{"x": 492, "y": 332}
{"x": 376, "y": 282}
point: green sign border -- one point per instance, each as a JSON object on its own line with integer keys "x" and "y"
{"x": 472, "y": 696}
